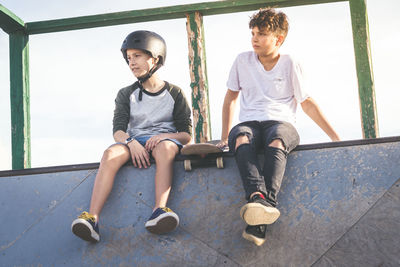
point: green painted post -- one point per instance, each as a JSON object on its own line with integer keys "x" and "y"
{"x": 19, "y": 96}
{"x": 362, "y": 50}
{"x": 9, "y": 22}
{"x": 198, "y": 76}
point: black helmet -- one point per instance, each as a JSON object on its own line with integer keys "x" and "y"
{"x": 148, "y": 41}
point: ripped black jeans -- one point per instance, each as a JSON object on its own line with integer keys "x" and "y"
{"x": 267, "y": 180}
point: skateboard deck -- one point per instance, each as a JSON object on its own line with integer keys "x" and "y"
{"x": 204, "y": 154}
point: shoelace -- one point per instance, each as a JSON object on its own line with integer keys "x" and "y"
{"x": 87, "y": 216}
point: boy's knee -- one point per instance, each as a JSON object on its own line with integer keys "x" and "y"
{"x": 277, "y": 143}
{"x": 114, "y": 152}
{"x": 165, "y": 150}
{"x": 108, "y": 154}
{"x": 240, "y": 140}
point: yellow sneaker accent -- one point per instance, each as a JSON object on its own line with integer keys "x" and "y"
{"x": 166, "y": 209}
{"x": 87, "y": 216}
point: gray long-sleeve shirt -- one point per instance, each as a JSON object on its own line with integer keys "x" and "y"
{"x": 166, "y": 111}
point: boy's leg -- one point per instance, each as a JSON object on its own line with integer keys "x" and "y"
{"x": 163, "y": 219}
{"x": 86, "y": 225}
{"x": 280, "y": 139}
{"x": 113, "y": 158}
{"x": 164, "y": 154}
{"x": 243, "y": 141}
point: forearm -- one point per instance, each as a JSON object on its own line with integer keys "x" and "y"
{"x": 120, "y": 136}
{"x": 311, "y": 108}
{"x": 228, "y": 111}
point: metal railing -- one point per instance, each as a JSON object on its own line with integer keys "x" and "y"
{"x": 19, "y": 33}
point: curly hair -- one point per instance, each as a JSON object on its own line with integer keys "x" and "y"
{"x": 270, "y": 20}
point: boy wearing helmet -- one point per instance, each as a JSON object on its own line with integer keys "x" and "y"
{"x": 151, "y": 119}
{"x": 271, "y": 86}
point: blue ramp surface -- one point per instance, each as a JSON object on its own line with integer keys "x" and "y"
{"x": 340, "y": 206}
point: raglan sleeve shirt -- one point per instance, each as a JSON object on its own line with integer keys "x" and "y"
{"x": 122, "y": 109}
{"x": 182, "y": 112}
{"x": 148, "y": 117}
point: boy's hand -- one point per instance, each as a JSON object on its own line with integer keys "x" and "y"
{"x": 140, "y": 156}
{"x": 153, "y": 141}
{"x": 222, "y": 143}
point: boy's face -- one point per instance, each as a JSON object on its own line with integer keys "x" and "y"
{"x": 139, "y": 62}
{"x": 264, "y": 42}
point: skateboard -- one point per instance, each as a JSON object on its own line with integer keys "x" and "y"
{"x": 204, "y": 154}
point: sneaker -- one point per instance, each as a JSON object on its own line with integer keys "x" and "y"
{"x": 163, "y": 220}
{"x": 255, "y": 234}
{"x": 86, "y": 227}
{"x": 258, "y": 211}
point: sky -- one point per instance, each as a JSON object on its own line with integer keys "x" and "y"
{"x": 75, "y": 75}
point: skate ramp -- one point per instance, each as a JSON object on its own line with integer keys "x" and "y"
{"x": 340, "y": 206}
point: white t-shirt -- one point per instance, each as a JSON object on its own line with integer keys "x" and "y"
{"x": 267, "y": 95}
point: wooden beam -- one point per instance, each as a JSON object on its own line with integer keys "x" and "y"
{"x": 198, "y": 77}
{"x": 362, "y": 50}
{"x": 161, "y": 13}
{"x": 19, "y": 96}
{"x": 9, "y": 22}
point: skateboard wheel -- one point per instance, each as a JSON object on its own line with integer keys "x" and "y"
{"x": 187, "y": 165}
{"x": 220, "y": 163}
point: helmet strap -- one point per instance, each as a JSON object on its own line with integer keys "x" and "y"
{"x": 144, "y": 78}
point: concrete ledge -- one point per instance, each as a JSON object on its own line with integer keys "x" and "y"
{"x": 339, "y": 205}
{"x": 95, "y": 165}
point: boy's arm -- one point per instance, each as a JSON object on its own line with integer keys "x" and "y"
{"x": 120, "y": 136}
{"x": 139, "y": 155}
{"x": 182, "y": 116}
{"x": 311, "y": 108}
{"x": 228, "y": 110}
{"x": 122, "y": 109}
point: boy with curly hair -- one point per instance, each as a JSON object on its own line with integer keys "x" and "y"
{"x": 271, "y": 87}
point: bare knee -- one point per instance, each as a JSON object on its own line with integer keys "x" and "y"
{"x": 165, "y": 150}
{"x": 277, "y": 143}
{"x": 240, "y": 140}
{"x": 117, "y": 154}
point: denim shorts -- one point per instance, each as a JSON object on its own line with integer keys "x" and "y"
{"x": 143, "y": 139}
{"x": 262, "y": 133}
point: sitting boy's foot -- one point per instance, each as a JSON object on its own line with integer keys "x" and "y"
{"x": 255, "y": 234}
{"x": 258, "y": 211}
{"x": 86, "y": 227}
{"x": 163, "y": 220}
